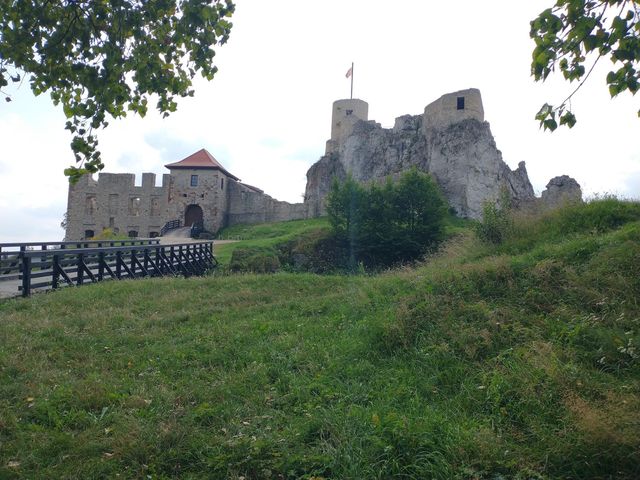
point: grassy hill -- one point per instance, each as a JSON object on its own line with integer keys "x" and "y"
{"x": 513, "y": 361}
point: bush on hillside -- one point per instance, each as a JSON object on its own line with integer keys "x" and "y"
{"x": 388, "y": 224}
{"x": 497, "y": 222}
{"x": 254, "y": 260}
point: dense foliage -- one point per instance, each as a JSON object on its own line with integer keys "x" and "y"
{"x": 104, "y": 58}
{"x": 383, "y": 225}
{"x": 573, "y": 31}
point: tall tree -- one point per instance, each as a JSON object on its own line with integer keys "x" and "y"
{"x": 103, "y": 58}
{"x": 574, "y": 36}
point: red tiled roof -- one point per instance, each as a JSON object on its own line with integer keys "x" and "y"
{"x": 200, "y": 160}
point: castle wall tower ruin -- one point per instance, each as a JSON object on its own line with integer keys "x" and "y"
{"x": 453, "y": 108}
{"x": 344, "y": 115}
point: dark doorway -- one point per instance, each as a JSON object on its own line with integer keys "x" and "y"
{"x": 193, "y": 214}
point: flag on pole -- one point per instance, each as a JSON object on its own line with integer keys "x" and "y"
{"x": 349, "y": 72}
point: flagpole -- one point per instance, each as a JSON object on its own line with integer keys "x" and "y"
{"x": 351, "y": 80}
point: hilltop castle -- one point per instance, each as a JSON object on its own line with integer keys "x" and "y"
{"x": 450, "y": 140}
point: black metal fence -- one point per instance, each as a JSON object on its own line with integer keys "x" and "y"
{"x": 170, "y": 225}
{"x": 53, "y": 268}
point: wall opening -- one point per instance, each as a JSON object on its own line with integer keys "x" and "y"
{"x": 133, "y": 233}
{"x": 222, "y": 184}
{"x": 134, "y": 206}
{"x": 153, "y": 234}
{"x": 192, "y": 214}
{"x": 89, "y": 234}
{"x": 194, "y": 180}
{"x": 155, "y": 206}
{"x": 349, "y": 112}
{"x": 460, "y": 103}
{"x": 113, "y": 203}
{"x": 90, "y": 205}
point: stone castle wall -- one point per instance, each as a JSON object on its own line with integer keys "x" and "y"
{"x": 249, "y": 205}
{"x": 114, "y": 201}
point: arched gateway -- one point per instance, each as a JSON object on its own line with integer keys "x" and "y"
{"x": 193, "y": 214}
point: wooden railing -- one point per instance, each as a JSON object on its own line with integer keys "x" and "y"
{"x": 170, "y": 225}
{"x": 10, "y": 253}
{"x": 51, "y": 269}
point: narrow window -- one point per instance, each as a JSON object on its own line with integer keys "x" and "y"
{"x": 155, "y": 206}
{"x": 460, "y": 103}
{"x": 134, "y": 206}
{"x": 112, "y": 222}
{"x": 113, "y": 203}
{"x": 222, "y": 184}
{"x": 194, "y": 180}
{"x": 90, "y": 205}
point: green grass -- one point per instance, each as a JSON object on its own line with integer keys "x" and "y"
{"x": 477, "y": 364}
{"x": 264, "y": 236}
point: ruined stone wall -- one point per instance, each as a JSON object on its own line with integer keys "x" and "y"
{"x": 453, "y": 108}
{"x": 114, "y": 201}
{"x": 249, "y": 205}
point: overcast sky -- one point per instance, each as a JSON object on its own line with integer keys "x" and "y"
{"x": 266, "y": 115}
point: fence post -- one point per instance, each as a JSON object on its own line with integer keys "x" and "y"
{"x": 118, "y": 264}
{"x": 55, "y": 270}
{"x": 26, "y": 275}
{"x": 80, "y": 270}
{"x": 100, "y": 266}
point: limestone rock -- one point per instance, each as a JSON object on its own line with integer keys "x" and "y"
{"x": 462, "y": 157}
{"x": 561, "y": 190}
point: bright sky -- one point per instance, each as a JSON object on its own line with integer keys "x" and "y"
{"x": 266, "y": 115}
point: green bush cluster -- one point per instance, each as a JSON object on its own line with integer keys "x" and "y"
{"x": 496, "y": 224}
{"x": 255, "y": 260}
{"x": 382, "y": 225}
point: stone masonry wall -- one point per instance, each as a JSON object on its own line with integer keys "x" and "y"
{"x": 113, "y": 201}
{"x": 210, "y": 194}
{"x": 249, "y": 205}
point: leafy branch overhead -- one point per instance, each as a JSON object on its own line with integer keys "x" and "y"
{"x": 573, "y": 36}
{"x": 101, "y": 58}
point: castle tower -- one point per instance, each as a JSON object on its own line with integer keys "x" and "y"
{"x": 198, "y": 191}
{"x": 453, "y": 108}
{"x": 344, "y": 115}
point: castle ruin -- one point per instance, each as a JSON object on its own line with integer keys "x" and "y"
{"x": 450, "y": 140}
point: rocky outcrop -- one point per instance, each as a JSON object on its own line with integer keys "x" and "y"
{"x": 463, "y": 158}
{"x": 561, "y": 190}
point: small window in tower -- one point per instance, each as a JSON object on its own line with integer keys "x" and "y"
{"x": 88, "y": 234}
{"x": 222, "y": 184}
{"x": 194, "y": 180}
{"x": 460, "y": 103}
{"x": 133, "y": 234}
{"x": 349, "y": 112}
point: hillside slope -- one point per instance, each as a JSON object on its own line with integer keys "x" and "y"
{"x": 516, "y": 361}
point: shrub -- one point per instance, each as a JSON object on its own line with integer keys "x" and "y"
{"x": 256, "y": 260}
{"x": 496, "y": 222}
